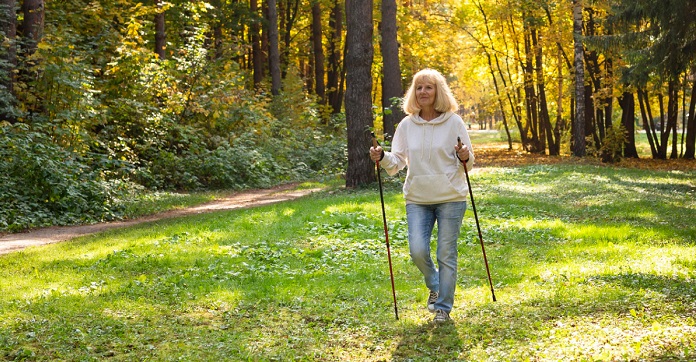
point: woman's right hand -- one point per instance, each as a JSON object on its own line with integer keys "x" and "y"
{"x": 376, "y": 153}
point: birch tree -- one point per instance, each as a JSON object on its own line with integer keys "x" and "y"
{"x": 578, "y": 146}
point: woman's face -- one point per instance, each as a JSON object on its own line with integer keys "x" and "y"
{"x": 425, "y": 94}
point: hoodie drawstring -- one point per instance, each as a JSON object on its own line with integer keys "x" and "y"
{"x": 430, "y": 145}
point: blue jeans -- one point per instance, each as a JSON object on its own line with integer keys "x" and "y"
{"x": 421, "y": 220}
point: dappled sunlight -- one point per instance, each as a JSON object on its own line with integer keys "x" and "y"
{"x": 526, "y": 189}
{"x": 612, "y": 315}
{"x": 258, "y": 218}
{"x": 309, "y": 279}
{"x": 222, "y": 300}
{"x": 601, "y": 233}
{"x": 608, "y": 336}
{"x": 346, "y": 207}
{"x": 393, "y": 205}
{"x": 129, "y": 310}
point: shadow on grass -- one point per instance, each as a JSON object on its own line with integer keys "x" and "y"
{"x": 668, "y": 286}
{"x": 429, "y": 342}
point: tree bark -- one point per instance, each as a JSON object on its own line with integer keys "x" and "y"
{"x": 33, "y": 25}
{"x": 318, "y": 49}
{"x": 8, "y": 25}
{"x": 609, "y": 100}
{"x": 646, "y": 115}
{"x": 628, "y": 115}
{"x": 256, "y": 47}
{"x": 690, "y": 148}
{"x": 274, "y": 53}
{"x": 531, "y": 100}
{"x": 578, "y": 146}
{"x": 289, "y": 15}
{"x": 391, "y": 73}
{"x": 545, "y": 118}
{"x": 160, "y": 35}
{"x": 594, "y": 125}
{"x": 335, "y": 68}
{"x": 672, "y": 117}
{"x": 513, "y": 95}
{"x": 359, "y": 56}
{"x": 560, "y": 124}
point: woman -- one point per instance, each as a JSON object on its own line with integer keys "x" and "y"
{"x": 435, "y": 188}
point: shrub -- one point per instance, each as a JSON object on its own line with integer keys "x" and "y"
{"x": 43, "y": 184}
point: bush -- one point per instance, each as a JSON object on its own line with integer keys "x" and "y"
{"x": 246, "y": 163}
{"x": 611, "y": 148}
{"x": 614, "y": 140}
{"x": 43, "y": 184}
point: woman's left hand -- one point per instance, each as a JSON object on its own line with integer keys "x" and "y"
{"x": 462, "y": 153}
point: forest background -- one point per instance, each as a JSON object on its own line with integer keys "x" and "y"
{"x": 105, "y": 101}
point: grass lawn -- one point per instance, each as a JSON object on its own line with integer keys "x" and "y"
{"x": 491, "y": 137}
{"x": 590, "y": 263}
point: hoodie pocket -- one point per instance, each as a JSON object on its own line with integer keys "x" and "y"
{"x": 431, "y": 189}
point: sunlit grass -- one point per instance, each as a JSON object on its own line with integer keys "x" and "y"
{"x": 589, "y": 264}
{"x": 486, "y": 137}
{"x": 498, "y": 137}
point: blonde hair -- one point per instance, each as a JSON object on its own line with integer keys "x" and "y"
{"x": 444, "y": 100}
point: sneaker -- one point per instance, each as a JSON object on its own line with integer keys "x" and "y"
{"x": 441, "y": 316}
{"x": 432, "y": 298}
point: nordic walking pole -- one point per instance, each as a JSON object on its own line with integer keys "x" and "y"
{"x": 473, "y": 206}
{"x": 386, "y": 230}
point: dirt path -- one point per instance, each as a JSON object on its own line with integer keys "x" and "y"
{"x": 42, "y": 236}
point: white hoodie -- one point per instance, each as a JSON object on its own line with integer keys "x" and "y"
{"x": 435, "y": 174}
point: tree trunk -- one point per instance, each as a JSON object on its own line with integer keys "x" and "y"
{"x": 318, "y": 50}
{"x": 513, "y": 95}
{"x": 594, "y": 125}
{"x": 256, "y": 49}
{"x": 646, "y": 115}
{"x": 690, "y": 148}
{"x": 628, "y": 115}
{"x": 289, "y": 12}
{"x": 672, "y": 116}
{"x": 31, "y": 30}
{"x": 218, "y": 40}
{"x": 684, "y": 114}
{"x": 578, "y": 146}
{"x": 609, "y": 100}
{"x": 335, "y": 68}
{"x": 560, "y": 124}
{"x": 265, "y": 47}
{"x": 33, "y": 25}
{"x": 274, "y": 53}
{"x": 500, "y": 100}
{"x": 529, "y": 92}
{"x": 359, "y": 54}
{"x": 160, "y": 35}
{"x": 8, "y": 25}
{"x": 306, "y": 68}
{"x": 391, "y": 80}
{"x": 553, "y": 144}
{"x": 662, "y": 150}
